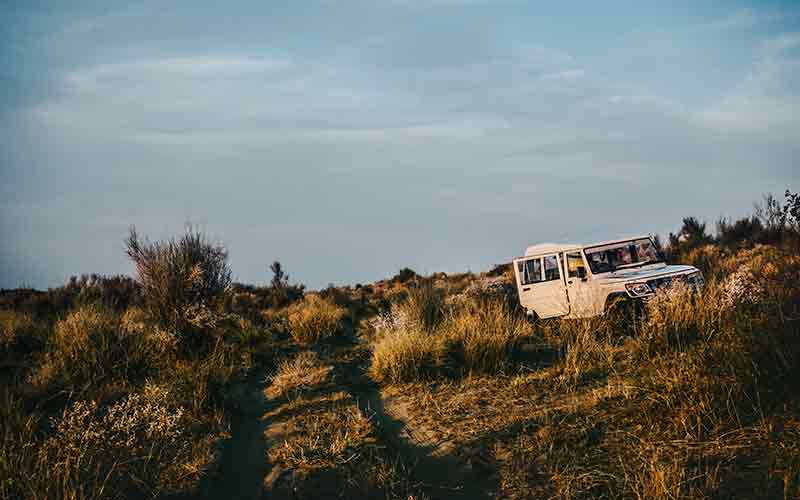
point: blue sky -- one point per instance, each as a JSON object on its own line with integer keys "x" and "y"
{"x": 350, "y": 139}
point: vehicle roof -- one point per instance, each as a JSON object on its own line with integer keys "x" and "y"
{"x": 551, "y": 248}
{"x": 544, "y": 248}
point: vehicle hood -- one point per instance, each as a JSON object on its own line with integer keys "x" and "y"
{"x": 645, "y": 273}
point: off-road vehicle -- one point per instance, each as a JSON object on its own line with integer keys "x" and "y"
{"x": 581, "y": 281}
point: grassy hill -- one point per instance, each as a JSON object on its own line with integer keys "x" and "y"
{"x": 178, "y": 383}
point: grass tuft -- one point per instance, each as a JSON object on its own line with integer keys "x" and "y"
{"x": 315, "y": 319}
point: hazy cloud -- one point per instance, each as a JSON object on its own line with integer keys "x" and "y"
{"x": 351, "y": 139}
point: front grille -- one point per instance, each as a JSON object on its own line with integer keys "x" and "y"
{"x": 695, "y": 279}
{"x": 659, "y": 283}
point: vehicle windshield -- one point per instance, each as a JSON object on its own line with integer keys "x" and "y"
{"x": 633, "y": 253}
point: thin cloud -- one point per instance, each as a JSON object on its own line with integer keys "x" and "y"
{"x": 565, "y": 76}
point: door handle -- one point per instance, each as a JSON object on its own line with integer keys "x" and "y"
{"x": 526, "y": 289}
{"x": 569, "y": 282}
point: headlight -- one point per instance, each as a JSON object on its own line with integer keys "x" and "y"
{"x": 639, "y": 289}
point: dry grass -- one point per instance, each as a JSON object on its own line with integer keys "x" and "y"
{"x": 325, "y": 437}
{"x": 405, "y": 354}
{"x": 588, "y": 347}
{"x": 314, "y": 319}
{"x": 424, "y": 306}
{"x": 90, "y": 348}
{"x": 483, "y": 336}
{"x": 139, "y": 444}
{"x": 327, "y": 442}
{"x": 116, "y": 434}
{"x": 473, "y": 337}
{"x": 304, "y": 372}
{"x": 332, "y": 450}
{"x": 695, "y": 400}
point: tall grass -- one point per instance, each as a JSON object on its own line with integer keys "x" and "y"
{"x": 424, "y": 306}
{"x": 471, "y": 338}
{"x": 483, "y": 336}
{"x": 405, "y": 354}
{"x": 89, "y": 348}
{"x": 315, "y": 319}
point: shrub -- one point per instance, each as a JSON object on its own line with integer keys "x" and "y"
{"x": 115, "y": 292}
{"x": 182, "y": 281}
{"x": 743, "y": 232}
{"x": 94, "y": 452}
{"x": 21, "y": 338}
{"x": 283, "y": 293}
{"x": 201, "y": 384}
{"x": 314, "y": 319}
{"x": 404, "y": 275}
{"x": 707, "y": 258}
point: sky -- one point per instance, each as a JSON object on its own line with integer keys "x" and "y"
{"x": 349, "y": 139}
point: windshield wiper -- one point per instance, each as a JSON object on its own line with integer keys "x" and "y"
{"x": 635, "y": 264}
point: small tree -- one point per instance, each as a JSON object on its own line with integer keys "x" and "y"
{"x": 282, "y": 293}
{"x": 280, "y": 280}
{"x": 791, "y": 211}
{"x": 182, "y": 280}
{"x": 692, "y": 235}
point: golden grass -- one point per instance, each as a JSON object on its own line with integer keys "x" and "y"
{"x": 484, "y": 335}
{"x": 11, "y": 323}
{"x": 139, "y": 443}
{"x": 90, "y": 347}
{"x": 424, "y": 306}
{"x": 303, "y": 372}
{"x": 405, "y": 354}
{"x": 314, "y": 319}
{"x": 471, "y": 338}
{"x": 326, "y": 437}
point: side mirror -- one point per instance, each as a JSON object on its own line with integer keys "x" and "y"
{"x": 582, "y": 273}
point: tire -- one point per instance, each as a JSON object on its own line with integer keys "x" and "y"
{"x": 623, "y": 310}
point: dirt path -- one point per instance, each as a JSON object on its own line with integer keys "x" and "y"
{"x": 243, "y": 464}
{"x": 245, "y": 472}
{"x": 441, "y": 475}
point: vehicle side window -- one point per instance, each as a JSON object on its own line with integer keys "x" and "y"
{"x": 530, "y": 271}
{"x": 575, "y": 262}
{"x": 551, "y": 268}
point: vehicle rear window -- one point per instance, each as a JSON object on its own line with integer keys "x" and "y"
{"x": 551, "y": 268}
{"x": 574, "y": 262}
{"x": 530, "y": 271}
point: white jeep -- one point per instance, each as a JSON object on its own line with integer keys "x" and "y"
{"x": 581, "y": 281}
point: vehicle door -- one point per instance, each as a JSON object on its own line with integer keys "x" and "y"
{"x": 540, "y": 285}
{"x": 579, "y": 289}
